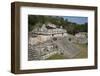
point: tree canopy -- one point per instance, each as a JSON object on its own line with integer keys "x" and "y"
{"x": 35, "y": 21}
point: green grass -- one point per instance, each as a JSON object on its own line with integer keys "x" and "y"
{"x": 84, "y": 51}
{"x": 56, "y": 56}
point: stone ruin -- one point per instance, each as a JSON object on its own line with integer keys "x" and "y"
{"x": 49, "y": 40}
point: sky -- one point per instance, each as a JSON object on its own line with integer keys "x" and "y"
{"x": 78, "y": 20}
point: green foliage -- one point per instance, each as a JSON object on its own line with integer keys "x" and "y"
{"x": 35, "y": 21}
{"x": 56, "y": 56}
{"x": 75, "y": 28}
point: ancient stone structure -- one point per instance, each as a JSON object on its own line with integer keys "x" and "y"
{"x": 49, "y": 40}
{"x": 82, "y": 37}
{"x": 46, "y": 32}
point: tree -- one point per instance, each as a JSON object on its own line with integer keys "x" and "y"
{"x": 36, "y": 21}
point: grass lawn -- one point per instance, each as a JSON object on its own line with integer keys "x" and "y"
{"x": 56, "y": 56}
{"x": 84, "y": 51}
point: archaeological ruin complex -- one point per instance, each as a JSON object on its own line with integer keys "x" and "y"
{"x": 49, "y": 40}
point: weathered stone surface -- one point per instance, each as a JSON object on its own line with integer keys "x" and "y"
{"x": 82, "y": 37}
{"x": 46, "y": 42}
